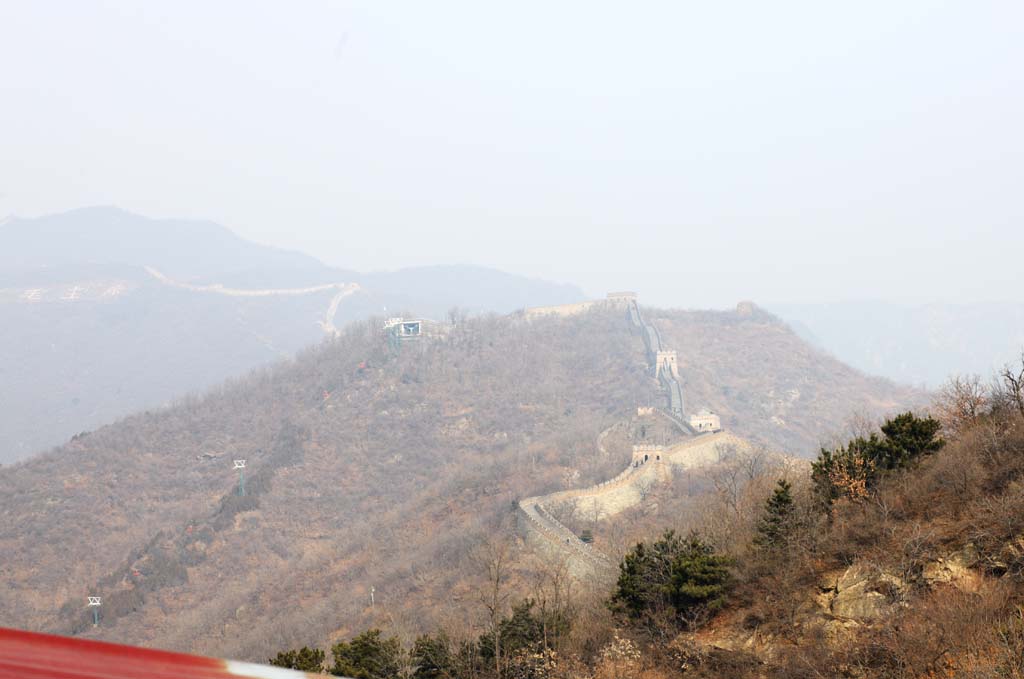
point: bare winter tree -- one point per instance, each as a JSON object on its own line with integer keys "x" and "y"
{"x": 740, "y": 480}
{"x": 552, "y": 590}
{"x": 726, "y": 476}
{"x": 644, "y": 487}
{"x": 1013, "y": 380}
{"x": 861, "y": 424}
{"x": 754, "y": 462}
{"x": 494, "y": 557}
{"x": 961, "y": 401}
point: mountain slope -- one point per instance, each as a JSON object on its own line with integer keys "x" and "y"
{"x": 105, "y": 312}
{"x": 916, "y": 574}
{"x": 409, "y": 457}
{"x": 367, "y": 467}
{"x": 768, "y": 384}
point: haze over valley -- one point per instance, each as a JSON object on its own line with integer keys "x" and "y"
{"x": 462, "y": 340}
{"x": 107, "y": 313}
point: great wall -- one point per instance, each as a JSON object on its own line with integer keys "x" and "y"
{"x": 650, "y": 464}
{"x": 327, "y": 324}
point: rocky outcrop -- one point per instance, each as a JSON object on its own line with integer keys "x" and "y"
{"x": 864, "y": 594}
{"x": 956, "y": 569}
{"x": 848, "y": 603}
{"x": 860, "y": 593}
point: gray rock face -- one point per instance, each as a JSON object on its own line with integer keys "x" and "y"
{"x": 857, "y": 595}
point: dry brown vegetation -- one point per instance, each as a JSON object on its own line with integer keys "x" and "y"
{"x": 919, "y": 573}
{"x": 367, "y": 468}
{"x": 935, "y": 549}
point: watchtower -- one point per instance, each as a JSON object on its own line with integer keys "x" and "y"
{"x": 705, "y": 421}
{"x": 644, "y": 453}
{"x": 666, "y": 360}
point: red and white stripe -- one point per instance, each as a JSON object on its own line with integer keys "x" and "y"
{"x": 28, "y": 655}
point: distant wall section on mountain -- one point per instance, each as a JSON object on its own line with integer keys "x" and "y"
{"x": 613, "y": 299}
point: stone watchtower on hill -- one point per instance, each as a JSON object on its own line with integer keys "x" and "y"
{"x": 644, "y": 453}
{"x": 666, "y": 360}
{"x": 705, "y": 421}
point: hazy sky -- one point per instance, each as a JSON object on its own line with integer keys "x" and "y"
{"x": 701, "y": 153}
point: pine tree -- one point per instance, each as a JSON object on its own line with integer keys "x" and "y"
{"x": 908, "y": 438}
{"x": 776, "y": 525}
{"x": 686, "y": 576}
{"x": 305, "y": 659}
{"x": 852, "y": 471}
{"x": 432, "y": 657}
{"x": 644, "y": 576}
{"x": 700, "y": 579}
{"x": 368, "y": 656}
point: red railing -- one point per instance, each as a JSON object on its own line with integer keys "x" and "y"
{"x": 28, "y": 655}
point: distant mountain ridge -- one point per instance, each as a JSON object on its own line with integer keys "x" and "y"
{"x": 106, "y": 312}
{"x": 913, "y": 344}
{"x": 110, "y": 236}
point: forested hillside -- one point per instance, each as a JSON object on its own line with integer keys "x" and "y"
{"x": 367, "y": 467}
{"x": 898, "y": 555}
{"x": 371, "y": 467}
